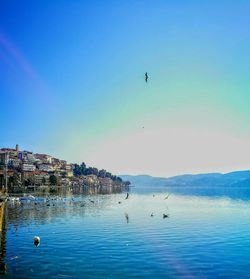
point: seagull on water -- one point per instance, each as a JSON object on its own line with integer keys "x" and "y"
{"x": 36, "y": 241}
{"x": 127, "y": 217}
{"x": 167, "y": 196}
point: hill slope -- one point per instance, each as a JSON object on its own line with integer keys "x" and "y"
{"x": 232, "y": 179}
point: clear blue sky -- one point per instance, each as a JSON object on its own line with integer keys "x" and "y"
{"x": 72, "y": 83}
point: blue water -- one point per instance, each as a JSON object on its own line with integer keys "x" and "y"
{"x": 207, "y": 235}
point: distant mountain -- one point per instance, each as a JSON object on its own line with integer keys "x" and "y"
{"x": 232, "y": 179}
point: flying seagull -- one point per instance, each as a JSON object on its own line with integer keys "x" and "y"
{"x": 146, "y": 77}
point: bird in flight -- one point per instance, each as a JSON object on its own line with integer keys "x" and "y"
{"x": 146, "y": 77}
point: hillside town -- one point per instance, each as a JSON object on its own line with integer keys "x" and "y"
{"x": 25, "y": 170}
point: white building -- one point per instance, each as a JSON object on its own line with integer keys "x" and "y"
{"x": 28, "y": 167}
{"x": 45, "y": 167}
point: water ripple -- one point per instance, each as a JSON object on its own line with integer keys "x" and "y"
{"x": 202, "y": 238}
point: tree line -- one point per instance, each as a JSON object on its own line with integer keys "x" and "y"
{"x": 84, "y": 170}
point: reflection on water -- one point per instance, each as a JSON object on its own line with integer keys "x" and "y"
{"x": 242, "y": 193}
{"x": 109, "y": 236}
{"x": 3, "y": 266}
{"x": 94, "y": 190}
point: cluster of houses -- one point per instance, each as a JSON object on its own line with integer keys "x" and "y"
{"x": 32, "y": 167}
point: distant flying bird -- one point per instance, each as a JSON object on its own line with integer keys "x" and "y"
{"x": 146, "y": 77}
{"x": 127, "y": 196}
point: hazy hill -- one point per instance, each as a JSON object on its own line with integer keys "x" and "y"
{"x": 233, "y": 179}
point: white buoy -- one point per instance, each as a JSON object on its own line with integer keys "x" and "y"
{"x": 36, "y": 241}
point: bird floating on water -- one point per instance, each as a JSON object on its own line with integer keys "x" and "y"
{"x": 152, "y": 214}
{"x": 165, "y": 215}
{"x": 146, "y": 77}
{"x": 127, "y": 217}
{"x": 36, "y": 241}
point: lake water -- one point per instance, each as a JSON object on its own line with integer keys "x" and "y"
{"x": 207, "y": 235}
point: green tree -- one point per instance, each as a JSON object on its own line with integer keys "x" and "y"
{"x": 108, "y": 175}
{"x": 53, "y": 179}
{"x": 77, "y": 170}
{"x": 118, "y": 179}
{"x": 91, "y": 170}
{"x": 102, "y": 173}
{"x": 83, "y": 168}
{"x": 95, "y": 171}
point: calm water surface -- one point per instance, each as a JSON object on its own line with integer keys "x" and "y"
{"x": 207, "y": 235}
